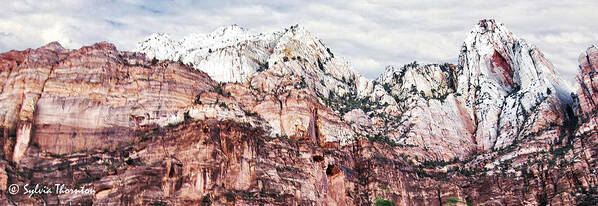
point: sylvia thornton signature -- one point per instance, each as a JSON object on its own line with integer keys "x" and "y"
{"x": 57, "y": 189}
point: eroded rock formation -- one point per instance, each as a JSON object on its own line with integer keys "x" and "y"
{"x": 287, "y": 122}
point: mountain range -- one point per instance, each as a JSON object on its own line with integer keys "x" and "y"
{"x": 240, "y": 118}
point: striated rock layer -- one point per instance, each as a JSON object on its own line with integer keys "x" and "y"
{"x": 93, "y": 97}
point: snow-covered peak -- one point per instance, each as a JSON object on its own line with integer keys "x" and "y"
{"x": 233, "y": 54}
{"x": 232, "y": 30}
{"x": 219, "y": 38}
{"x": 228, "y": 54}
{"x": 158, "y": 45}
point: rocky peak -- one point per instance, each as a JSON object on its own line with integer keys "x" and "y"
{"x": 158, "y": 45}
{"x": 100, "y": 48}
{"x": 234, "y": 54}
{"x": 430, "y": 81}
{"x": 507, "y": 82}
{"x": 229, "y": 31}
{"x": 228, "y": 54}
{"x": 219, "y": 38}
{"x": 299, "y": 52}
{"x": 491, "y": 53}
{"x": 54, "y": 46}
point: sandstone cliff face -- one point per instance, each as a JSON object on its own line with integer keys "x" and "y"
{"x": 88, "y": 98}
{"x": 427, "y": 110}
{"x": 228, "y": 163}
{"x": 288, "y": 123}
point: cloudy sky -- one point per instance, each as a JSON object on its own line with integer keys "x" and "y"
{"x": 370, "y": 34}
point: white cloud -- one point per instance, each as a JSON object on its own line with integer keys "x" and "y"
{"x": 370, "y": 34}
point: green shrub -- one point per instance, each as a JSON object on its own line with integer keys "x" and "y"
{"x": 384, "y": 187}
{"x": 383, "y": 202}
{"x": 187, "y": 117}
{"x": 198, "y": 99}
{"x": 159, "y": 203}
{"x": 453, "y": 200}
{"x": 382, "y": 139}
{"x": 223, "y": 105}
{"x": 218, "y": 89}
{"x": 263, "y": 67}
{"x": 252, "y": 114}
